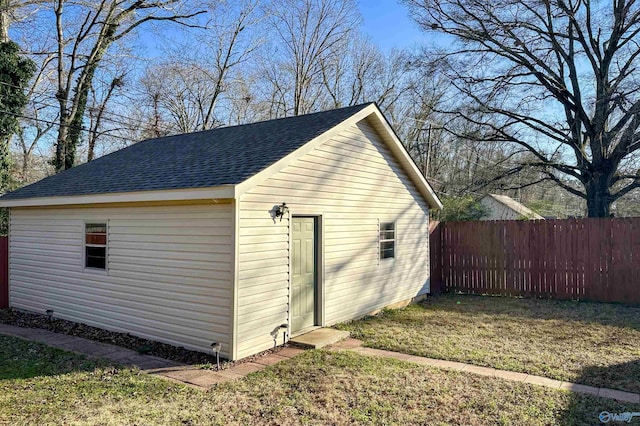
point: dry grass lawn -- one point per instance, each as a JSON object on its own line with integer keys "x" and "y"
{"x": 41, "y": 385}
{"x": 596, "y": 344}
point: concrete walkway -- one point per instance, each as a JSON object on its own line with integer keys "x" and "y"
{"x": 171, "y": 370}
{"x": 205, "y": 379}
{"x": 356, "y": 346}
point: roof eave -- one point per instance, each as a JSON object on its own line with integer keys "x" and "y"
{"x": 213, "y": 193}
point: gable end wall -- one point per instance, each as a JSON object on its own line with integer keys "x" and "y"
{"x": 354, "y": 182}
{"x": 497, "y": 210}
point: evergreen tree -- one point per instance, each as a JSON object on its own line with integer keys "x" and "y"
{"x": 15, "y": 72}
{"x": 459, "y": 209}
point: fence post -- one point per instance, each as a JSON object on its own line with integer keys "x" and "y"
{"x": 435, "y": 257}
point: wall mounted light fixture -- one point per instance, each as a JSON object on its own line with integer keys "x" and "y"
{"x": 281, "y": 210}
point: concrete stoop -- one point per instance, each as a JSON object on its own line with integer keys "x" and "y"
{"x": 319, "y": 338}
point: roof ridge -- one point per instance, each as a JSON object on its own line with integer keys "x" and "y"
{"x": 208, "y": 158}
{"x": 289, "y": 117}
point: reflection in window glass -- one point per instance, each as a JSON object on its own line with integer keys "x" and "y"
{"x": 95, "y": 245}
{"x": 387, "y": 240}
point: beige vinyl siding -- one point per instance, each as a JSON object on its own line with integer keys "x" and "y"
{"x": 168, "y": 276}
{"x": 354, "y": 182}
{"x": 497, "y": 211}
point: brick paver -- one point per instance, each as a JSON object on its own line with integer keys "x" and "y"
{"x": 574, "y": 387}
{"x": 543, "y": 381}
{"x": 619, "y": 395}
{"x": 347, "y": 344}
{"x": 483, "y": 371}
{"x": 289, "y": 352}
{"x": 187, "y": 374}
{"x": 90, "y": 348}
{"x": 247, "y": 368}
{"x": 205, "y": 379}
{"x": 511, "y": 375}
{"x": 269, "y": 359}
{"x": 353, "y": 345}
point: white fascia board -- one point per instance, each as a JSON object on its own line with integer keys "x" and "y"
{"x": 407, "y": 162}
{"x": 219, "y": 192}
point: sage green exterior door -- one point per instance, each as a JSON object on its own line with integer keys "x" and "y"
{"x": 303, "y": 273}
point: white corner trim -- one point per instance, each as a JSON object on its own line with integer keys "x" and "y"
{"x": 235, "y": 281}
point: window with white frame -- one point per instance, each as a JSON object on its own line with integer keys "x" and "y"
{"x": 387, "y": 240}
{"x": 95, "y": 245}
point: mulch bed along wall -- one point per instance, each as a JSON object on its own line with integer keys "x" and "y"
{"x": 126, "y": 340}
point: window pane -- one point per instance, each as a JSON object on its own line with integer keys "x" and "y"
{"x": 387, "y": 235}
{"x": 386, "y": 245}
{"x": 100, "y": 239}
{"x": 95, "y": 228}
{"x": 387, "y": 240}
{"x": 387, "y": 254}
{"x": 96, "y": 257}
{"x": 387, "y": 249}
{"x": 389, "y": 226}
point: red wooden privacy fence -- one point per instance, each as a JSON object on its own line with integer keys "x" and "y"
{"x": 4, "y": 272}
{"x": 585, "y": 259}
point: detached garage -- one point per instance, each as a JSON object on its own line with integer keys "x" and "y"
{"x": 239, "y": 235}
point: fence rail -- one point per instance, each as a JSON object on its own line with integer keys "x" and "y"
{"x": 585, "y": 259}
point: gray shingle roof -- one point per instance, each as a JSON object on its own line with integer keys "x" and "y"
{"x": 223, "y": 156}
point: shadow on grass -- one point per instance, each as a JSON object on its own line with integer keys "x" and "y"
{"x": 22, "y": 359}
{"x": 586, "y": 409}
{"x": 625, "y": 375}
{"x": 611, "y": 314}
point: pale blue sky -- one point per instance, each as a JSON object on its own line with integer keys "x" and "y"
{"x": 386, "y": 22}
{"x": 389, "y": 24}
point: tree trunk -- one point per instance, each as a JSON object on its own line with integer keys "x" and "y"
{"x": 599, "y": 198}
{"x": 26, "y": 164}
{"x": 58, "y": 160}
{"x": 4, "y": 20}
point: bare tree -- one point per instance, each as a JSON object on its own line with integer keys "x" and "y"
{"x": 362, "y": 73}
{"x": 310, "y": 32}
{"x": 12, "y": 11}
{"x": 99, "y": 101}
{"x": 81, "y": 49}
{"x": 34, "y": 130}
{"x": 555, "y": 78}
{"x": 194, "y": 86}
{"x": 173, "y": 91}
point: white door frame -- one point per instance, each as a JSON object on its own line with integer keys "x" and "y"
{"x": 320, "y": 264}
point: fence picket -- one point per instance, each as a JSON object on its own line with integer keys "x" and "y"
{"x": 586, "y": 259}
